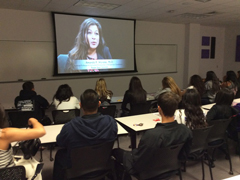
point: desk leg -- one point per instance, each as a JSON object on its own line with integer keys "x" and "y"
{"x": 133, "y": 137}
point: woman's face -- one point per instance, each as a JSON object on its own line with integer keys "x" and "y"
{"x": 93, "y": 36}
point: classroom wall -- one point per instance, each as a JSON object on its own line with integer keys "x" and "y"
{"x": 215, "y": 64}
{"x": 230, "y": 49}
{"x": 16, "y": 25}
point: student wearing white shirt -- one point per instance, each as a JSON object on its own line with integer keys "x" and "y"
{"x": 64, "y": 99}
{"x": 192, "y": 115}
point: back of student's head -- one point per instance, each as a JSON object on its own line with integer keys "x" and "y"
{"x": 168, "y": 102}
{"x": 28, "y": 86}
{"x": 64, "y": 92}
{"x": 191, "y": 97}
{"x": 89, "y": 100}
{"x": 192, "y": 109}
{"x": 168, "y": 82}
{"x": 137, "y": 91}
{"x": 197, "y": 82}
{"x": 101, "y": 86}
{"x": 211, "y": 76}
{"x": 224, "y": 97}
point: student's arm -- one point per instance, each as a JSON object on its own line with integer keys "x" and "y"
{"x": 211, "y": 114}
{"x": 16, "y": 134}
{"x": 43, "y": 102}
{"x": 62, "y": 138}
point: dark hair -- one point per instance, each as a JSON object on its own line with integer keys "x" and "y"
{"x": 168, "y": 102}
{"x": 80, "y": 49}
{"x": 231, "y": 76}
{"x": 28, "y": 86}
{"x": 211, "y": 76}
{"x": 89, "y": 100}
{"x": 63, "y": 93}
{"x": 192, "y": 104}
{"x": 136, "y": 90}
{"x": 2, "y": 116}
{"x": 224, "y": 97}
{"x": 197, "y": 82}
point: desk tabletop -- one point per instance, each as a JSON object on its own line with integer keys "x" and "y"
{"x": 119, "y": 99}
{"x": 149, "y": 121}
{"x": 53, "y": 130}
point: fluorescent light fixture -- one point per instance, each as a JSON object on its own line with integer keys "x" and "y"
{"x": 203, "y": 0}
{"x": 96, "y": 5}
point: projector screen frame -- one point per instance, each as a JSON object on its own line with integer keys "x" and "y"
{"x": 57, "y": 74}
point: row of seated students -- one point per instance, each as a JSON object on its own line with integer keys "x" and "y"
{"x": 94, "y": 128}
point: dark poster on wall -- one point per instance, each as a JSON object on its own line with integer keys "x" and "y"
{"x": 238, "y": 49}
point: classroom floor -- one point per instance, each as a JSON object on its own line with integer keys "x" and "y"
{"x": 193, "y": 170}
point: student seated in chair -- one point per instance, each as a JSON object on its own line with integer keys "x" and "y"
{"x": 165, "y": 134}
{"x": 28, "y": 100}
{"x": 90, "y": 129}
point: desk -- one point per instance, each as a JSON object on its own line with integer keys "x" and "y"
{"x": 149, "y": 121}
{"x": 119, "y": 99}
{"x": 208, "y": 106}
{"x": 233, "y": 178}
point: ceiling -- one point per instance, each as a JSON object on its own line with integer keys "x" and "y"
{"x": 214, "y": 12}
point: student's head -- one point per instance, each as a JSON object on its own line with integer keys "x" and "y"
{"x": 101, "y": 85}
{"x": 64, "y": 92}
{"x": 197, "y": 82}
{"x": 191, "y": 98}
{"x": 2, "y": 116}
{"x": 238, "y": 74}
{"x": 135, "y": 84}
{"x": 192, "y": 109}
{"x": 168, "y": 82}
{"x": 89, "y": 101}
{"x": 224, "y": 97}
{"x": 168, "y": 103}
{"x": 90, "y": 34}
{"x": 28, "y": 86}
{"x": 231, "y": 76}
{"x": 210, "y": 76}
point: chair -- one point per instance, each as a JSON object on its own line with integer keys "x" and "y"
{"x": 64, "y": 116}
{"x": 19, "y": 119}
{"x": 108, "y": 110}
{"x": 218, "y": 137}
{"x": 91, "y": 162}
{"x": 199, "y": 148}
{"x": 62, "y": 61}
{"x": 13, "y": 173}
{"x": 140, "y": 108}
{"x": 164, "y": 160}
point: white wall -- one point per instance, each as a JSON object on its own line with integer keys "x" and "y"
{"x": 215, "y": 64}
{"x": 230, "y": 49}
{"x": 37, "y": 28}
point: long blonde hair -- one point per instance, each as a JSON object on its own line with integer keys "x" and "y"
{"x": 168, "y": 82}
{"x": 101, "y": 89}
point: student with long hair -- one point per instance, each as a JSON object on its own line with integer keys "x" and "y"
{"x": 212, "y": 86}
{"x": 231, "y": 82}
{"x": 222, "y": 109}
{"x": 9, "y": 135}
{"x": 135, "y": 94}
{"x": 104, "y": 94}
{"x": 64, "y": 98}
{"x": 197, "y": 82}
{"x": 89, "y": 45}
{"x": 168, "y": 84}
{"x": 192, "y": 115}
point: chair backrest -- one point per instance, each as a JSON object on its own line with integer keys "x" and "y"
{"x": 218, "y": 131}
{"x": 199, "y": 141}
{"x": 108, "y": 110}
{"x": 62, "y": 61}
{"x": 13, "y": 173}
{"x": 64, "y": 116}
{"x": 19, "y": 119}
{"x": 161, "y": 161}
{"x": 90, "y": 161}
{"x": 140, "y": 108}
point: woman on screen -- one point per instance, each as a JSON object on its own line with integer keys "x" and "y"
{"x": 89, "y": 45}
